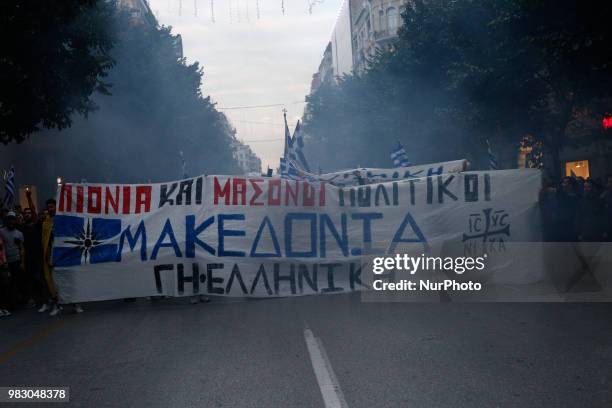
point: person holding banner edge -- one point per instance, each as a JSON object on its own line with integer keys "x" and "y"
{"x": 47, "y": 238}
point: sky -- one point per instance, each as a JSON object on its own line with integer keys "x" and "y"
{"x": 250, "y": 61}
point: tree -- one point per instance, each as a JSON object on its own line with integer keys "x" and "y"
{"x": 463, "y": 71}
{"x": 54, "y": 56}
{"x": 155, "y": 110}
{"x": 405, "y": 95}
{"x": 157, "y": 98}
{"x": 550, "y": 64}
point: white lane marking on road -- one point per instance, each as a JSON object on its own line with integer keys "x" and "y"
{"x": 328, "y": 383}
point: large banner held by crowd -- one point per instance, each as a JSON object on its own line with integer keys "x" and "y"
{"x": 368, "y": 175}
{"x": 264, "y": 237}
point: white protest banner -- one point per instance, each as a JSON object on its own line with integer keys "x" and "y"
{"x": 367, "y": 175}
{"x": 263, "y": 237}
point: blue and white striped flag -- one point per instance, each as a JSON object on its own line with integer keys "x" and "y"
{"x": 293, "y": 164}
{"x": 296, "y": 147}
{"x": 287, "y": 137}
{"x": 399, "y": 156}
{"x": 289, "y": 170}
{"x": 492, "y": 158}
{"x": 9, "y": 189}
{"x": 283, "y": 167}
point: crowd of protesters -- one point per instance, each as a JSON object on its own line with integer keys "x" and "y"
{"x": 26, "y": 269}
{"x": 26, "y": 272}
{"x": 577, "y": 210}
{"x": 574, "y": 210}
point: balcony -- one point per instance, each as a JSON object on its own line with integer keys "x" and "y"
{"x": 386, "y": 34}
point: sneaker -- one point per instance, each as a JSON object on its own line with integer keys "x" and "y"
{"x": 193, "y": 300}
{"x": 43, "y": 308}
{"x": 6, "y": 312}
{"x": 54, "y": 310}
{"x": 2, "y": 313}
{"x": 78, "y": 308}
{"x": 204, "y": 299}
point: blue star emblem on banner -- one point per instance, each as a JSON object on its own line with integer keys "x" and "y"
{"x": 79, "y": 240}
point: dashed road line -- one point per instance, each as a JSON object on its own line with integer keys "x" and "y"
{"x": 328, "y": 383}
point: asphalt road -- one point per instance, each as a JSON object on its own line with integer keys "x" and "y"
{"x": 254, "y": 353}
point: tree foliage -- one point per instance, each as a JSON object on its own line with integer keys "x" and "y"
{"x": 464, "y": 71}
{"x": 157, "y": 99}
{"x": 155, "y": 111}
{"x": 54, "y": 56}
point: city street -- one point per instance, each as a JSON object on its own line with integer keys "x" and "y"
{"x": 390, "y": 203}
{"x": 265, "y": 353}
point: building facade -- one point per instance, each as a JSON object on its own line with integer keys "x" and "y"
{"x": 246, "y": 159}
{"x": 325, "y": 73}
{"x": 374, "y": 25}
{"x": 589, "y": 160}
{"x": 361, "y": 28}
{"x": 341, "y": 43}
{"x": 586, "y": 157}
{"x": 139, "y": 10}
{"x": 364, "y": 26}
{"x": 141, "y": 14}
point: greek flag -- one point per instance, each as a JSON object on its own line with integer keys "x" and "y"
{"x": 285, "y": 169}
{"x": 9, "y": 189}
{"x": 289, "y": 170}
{"x": 492, "y": 158}
{"x": 293, "y": 164}
{"x": 295, "y": 149}
{"x": 283, "y": 166}
{"x": 399, "y": 156}
{"x": 287, "y": 137}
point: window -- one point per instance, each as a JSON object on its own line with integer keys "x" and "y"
{"x": 381, "y": 21}
{"x": 577, "y": 169}
{"x": 392, "y": 18}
